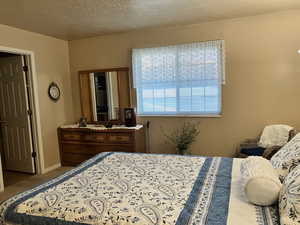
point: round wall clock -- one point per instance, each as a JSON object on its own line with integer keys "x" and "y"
{"x": 53, "y": 91}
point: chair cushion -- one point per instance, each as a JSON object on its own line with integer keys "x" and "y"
{"x": 289, "y": 199}
{"x": 287, "y": 158}
{"x": 260, "y": 181}
{"x": 258, "y": 151}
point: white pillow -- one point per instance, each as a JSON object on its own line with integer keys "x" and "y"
{"x": 289, "y": 199}
{"x": 287, "y": 158}
{"x": 260, "y": 181}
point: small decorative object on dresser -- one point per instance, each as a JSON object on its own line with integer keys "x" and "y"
{"x": 129, "y": 117}
{"x": 79, "y": 144}
{"x": 82, "y": 122}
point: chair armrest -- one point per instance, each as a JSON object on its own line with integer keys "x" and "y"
{"x": 269, "y": 152}
{"x": 292, "y": 134}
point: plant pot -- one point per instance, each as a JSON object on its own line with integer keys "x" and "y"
{"x": 182, "y": 151}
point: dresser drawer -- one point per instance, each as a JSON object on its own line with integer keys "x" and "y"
{"x": 84, "y": 137}
{"x": 94, "y": 137}
{"x": 86, "y": 149}
{"x": 71, "y": 136}
{"x": 72, "y": 159}
{"x": 119, "y": 138}
{"x": 118, "y": 148}
{"x": 82, "y": 148}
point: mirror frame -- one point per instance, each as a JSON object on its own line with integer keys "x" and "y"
{"x": 124, "y": 100}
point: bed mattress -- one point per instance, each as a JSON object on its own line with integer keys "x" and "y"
{"x": 129, "y": 188}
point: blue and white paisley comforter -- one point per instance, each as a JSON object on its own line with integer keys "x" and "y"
{"x": 142, "y": 189}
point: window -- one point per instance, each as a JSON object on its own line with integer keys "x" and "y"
{"x": 179, "y": 80}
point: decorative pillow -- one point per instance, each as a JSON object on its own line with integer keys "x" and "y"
{"x": 260, "y": 181}
{"x": 287, "y": 158}
{"x": 289, "y": 199}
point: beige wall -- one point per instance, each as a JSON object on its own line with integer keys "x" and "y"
{"x": 52, "y": 64}
{"x": 262, "y": 75}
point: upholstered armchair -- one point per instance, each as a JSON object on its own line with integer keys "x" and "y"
{"x": 250, "y": 147}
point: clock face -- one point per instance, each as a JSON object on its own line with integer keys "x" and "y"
{"x": 54, "y": 92}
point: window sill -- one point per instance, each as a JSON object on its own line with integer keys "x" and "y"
{"x": 191, "y": 116}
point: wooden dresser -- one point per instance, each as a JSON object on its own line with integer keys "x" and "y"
{"x": 79, "y": 144}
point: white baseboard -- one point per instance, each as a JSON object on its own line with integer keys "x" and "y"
{"x": 50, "y": 168}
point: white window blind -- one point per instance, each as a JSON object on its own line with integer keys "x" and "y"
{"x": 179, "y": 80}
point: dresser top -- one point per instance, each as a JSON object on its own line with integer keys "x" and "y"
{"x": 95, "y": 127}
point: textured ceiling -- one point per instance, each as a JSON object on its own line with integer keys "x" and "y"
{"x": 75, "y": 19}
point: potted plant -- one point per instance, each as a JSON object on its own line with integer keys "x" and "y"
{"x": 183, "y": 137}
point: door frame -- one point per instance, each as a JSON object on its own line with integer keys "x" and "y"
{"x": 34, "y": 98}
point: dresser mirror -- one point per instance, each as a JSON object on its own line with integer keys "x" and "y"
{"x": 104, "y": 94}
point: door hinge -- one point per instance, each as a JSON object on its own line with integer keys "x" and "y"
{"x": 25, "y": 68}
{"x": 33, "y": 154}
{"x": 29, "y": 112}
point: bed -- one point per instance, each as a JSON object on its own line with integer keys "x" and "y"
{"x": 130, "y": 188}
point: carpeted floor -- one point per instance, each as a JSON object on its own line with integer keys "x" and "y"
{"x": 11, "y": 178}
{"x": 18, "y": 182}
